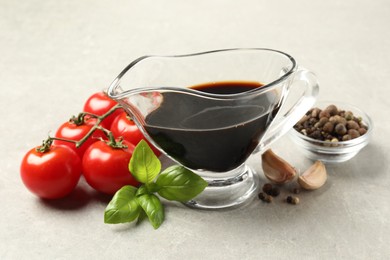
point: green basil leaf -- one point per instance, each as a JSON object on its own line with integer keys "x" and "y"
{"x": 147, "y": 189}
{"x": 180, "y": 184}
{"x": 144, "y": 164}
{"x": 123, "y": 207}
{"x": 141, "y": 191}
{"x": 141, "y": 217}
{"x": 153, "y": 208}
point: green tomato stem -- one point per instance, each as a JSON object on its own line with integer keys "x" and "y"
{"x": 116, "y": 144}
{"x": 45, "y": 147}
{"x": 79, "y": 120}
{"x": 96, "y": 126}
{"x": 63, "y": 139}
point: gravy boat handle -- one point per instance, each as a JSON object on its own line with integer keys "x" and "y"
{"x": 305, "y": 80}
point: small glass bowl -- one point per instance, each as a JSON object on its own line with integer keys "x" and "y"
{"x": 329, "y": 152}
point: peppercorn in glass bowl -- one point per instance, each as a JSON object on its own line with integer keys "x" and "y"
{"x": 332, "y": 132}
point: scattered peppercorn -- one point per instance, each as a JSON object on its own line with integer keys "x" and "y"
{"x": 261, "y": 195}
{"x": 265, "y": 197}
{"x": 267, "y": 188}
{"x": 292, "y": 200}
{"x": 331, "y": 124}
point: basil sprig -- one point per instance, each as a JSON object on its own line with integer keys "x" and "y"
{"x": 174, "y": 183}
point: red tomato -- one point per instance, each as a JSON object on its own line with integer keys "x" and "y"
{"x": 75, "y": 132}
{"x": 124, "y": 126}
{"x": 106, "y": 169}
{"x": 98, "y": 104}
{"x": 52, "y": 174}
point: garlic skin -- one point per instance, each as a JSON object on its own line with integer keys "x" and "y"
{"x": 314, "y": 177}
{"x": 277, "y": 169}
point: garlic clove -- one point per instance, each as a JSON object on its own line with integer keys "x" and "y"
{"x": 277, "y": 169}
{"x": 314, "y": 177}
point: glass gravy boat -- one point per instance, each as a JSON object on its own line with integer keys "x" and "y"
{"x": 214, "y": 133}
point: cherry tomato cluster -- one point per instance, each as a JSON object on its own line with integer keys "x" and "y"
{"x": 108, "y": 137}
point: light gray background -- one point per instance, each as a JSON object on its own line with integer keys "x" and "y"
{"x": 54, "y": 54}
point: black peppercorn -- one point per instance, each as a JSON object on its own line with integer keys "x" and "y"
{"x": 264, "y": 197}
{"x": 328, "y": 127}
{"x": 353, "y": 133}
{"x": 267, "y": 188}
{"x": 331, "y": 125}
{"x": 340, "y": 129}
{"x": 332, "y": 110}
{"x": 292, "y": 200}
{"x": 261, "y": 196}
{"x": 352, "y": 125}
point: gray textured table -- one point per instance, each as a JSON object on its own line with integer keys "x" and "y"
{"x": 54, "y": 54}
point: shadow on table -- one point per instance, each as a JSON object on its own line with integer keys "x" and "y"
{"x": 76, "y": 200}
{"x": 368, "y": 163}
{"x": 80, "y": 197}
